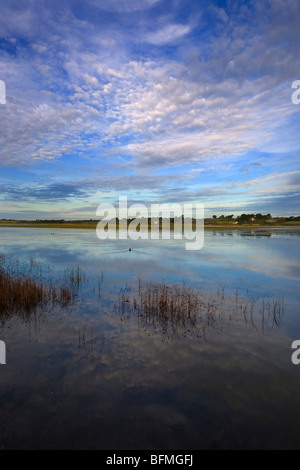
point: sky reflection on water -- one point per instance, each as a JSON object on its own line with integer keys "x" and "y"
{"x": 92, "y": 378}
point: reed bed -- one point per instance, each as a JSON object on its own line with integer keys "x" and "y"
{"x": 23, "y": 293}
{"x": 176, "y": 310}
{"x": 172, "y": 310}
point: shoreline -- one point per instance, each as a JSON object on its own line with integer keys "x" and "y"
{"x": 92, "y": 226}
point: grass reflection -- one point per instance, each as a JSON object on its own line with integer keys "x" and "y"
{"x": 165, "y": 309}
{"x": 175, "y": 311}
{"x": 24, "y": 290}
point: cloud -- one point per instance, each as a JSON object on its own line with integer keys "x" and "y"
{"x": 42, "y": 192}
{"x": 220, "y": 13}
{"x": 182, "y": 119}
{"x": 84, "y": 86}
{"x": 163, "y": 114}
{"x": 21, "y": 22}
{"x": 124, "y": 6}
{"x": 168, "y": 34}
{"x": 275, "y": 184}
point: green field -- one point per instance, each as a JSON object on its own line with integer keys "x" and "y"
{"x": 91, "y": 225}
{"x": 54, "y": 225}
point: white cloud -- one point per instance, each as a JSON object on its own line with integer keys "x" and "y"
{"x": 39, "y": 48}
{"x": 274, "y": 183}
{"x": 22, "y": 21}
{"x": 178, "y": 119}
{"x": 168, "y": 34}
{"x": 220, "y": 13}
{"x": 232, "y": 98}
{"x": 124, "y": 6}
{"x": 166, "y": 116}
{"x": 91, "y": 80}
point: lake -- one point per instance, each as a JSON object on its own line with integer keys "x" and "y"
{"x": 120, "y": 368}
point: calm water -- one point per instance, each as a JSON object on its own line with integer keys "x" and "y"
{"x": 97, "y": 376}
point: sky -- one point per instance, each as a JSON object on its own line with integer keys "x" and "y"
{"x": 162, "y": 101}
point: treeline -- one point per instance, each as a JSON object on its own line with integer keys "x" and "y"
{"x": 251, "y": 219}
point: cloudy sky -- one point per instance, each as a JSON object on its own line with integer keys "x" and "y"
{"x": 157, "y": 100}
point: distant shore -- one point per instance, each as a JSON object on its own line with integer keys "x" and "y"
{"x": 92, "y": 225}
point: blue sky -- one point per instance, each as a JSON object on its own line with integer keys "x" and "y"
{"x": 157, "y": 100}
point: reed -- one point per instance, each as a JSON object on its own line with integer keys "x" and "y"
{"x": 172, "y": 309}
{"x": 87, "y": 341}
{"x": 176, "y": 310}
{"x": 74, "y": 277}
{"x": 23, "y": 294}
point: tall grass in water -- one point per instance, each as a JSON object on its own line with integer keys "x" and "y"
{"x": 24, "y": 293}
{"x": 175, "y": 310}
{"x": 75, "y": 276}
{"x": 172, "y": 310}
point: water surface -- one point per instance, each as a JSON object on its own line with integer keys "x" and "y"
{"x": 97, "y": 376}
